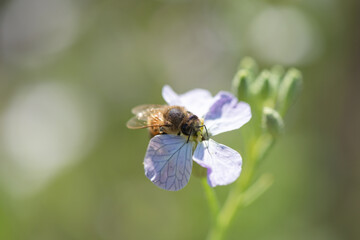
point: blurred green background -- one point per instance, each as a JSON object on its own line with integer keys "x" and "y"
{"x": 70, "y": 72}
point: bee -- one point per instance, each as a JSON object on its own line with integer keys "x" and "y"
{"x": 163, "y": 119}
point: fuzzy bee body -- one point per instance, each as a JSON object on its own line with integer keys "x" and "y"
{"x": 163, "y": 119}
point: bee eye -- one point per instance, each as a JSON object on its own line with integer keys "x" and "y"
{"x": 185, "y": 129}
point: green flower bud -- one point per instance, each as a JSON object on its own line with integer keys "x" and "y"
{"x": 272, "y": 121}
{"x": 264, "y": 85}
{"x": 240, "y": 84}
{"x": 277, "y": 71}
{"x": 249, "y": 64}
{"x": 289, "y": 90}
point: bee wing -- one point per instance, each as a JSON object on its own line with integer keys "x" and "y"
{"x": 143, "y": 113}
{"x": 135, "y": 123}
{"x": 146, "y": 107}
{"x": 168, "y": 161}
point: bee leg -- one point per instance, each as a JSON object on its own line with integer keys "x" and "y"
{"x": 207, "y": 133}
{"x": 189, "y": 136}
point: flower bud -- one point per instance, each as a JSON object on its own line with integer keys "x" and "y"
{"x": 240, "y": 84}
{"x": 289, "y": 89}
{"x": 249, "y": 64}
{"x": 272, "y": 121}
{"x": 264, "y": 86}
{"x": 278, "y": 71}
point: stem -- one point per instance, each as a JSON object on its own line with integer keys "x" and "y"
{"x": 232, "y": 204}
{"x": 257, "y": 151}
{"x": 211, "y": 198}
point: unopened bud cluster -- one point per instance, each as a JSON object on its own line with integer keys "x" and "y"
{"x": 270, "y": 92}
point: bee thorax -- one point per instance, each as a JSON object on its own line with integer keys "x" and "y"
{"x": 175, "y": 116}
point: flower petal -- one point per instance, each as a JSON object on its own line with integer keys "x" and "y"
{"x": 226, "y": 114}
{"x": 170, "y": 97}
{"x": 168, "y": 162}
{"x": 223, "y": 163}
{"x": 197, "y": 101}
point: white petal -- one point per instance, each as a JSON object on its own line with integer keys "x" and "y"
{"x": 197, "y": 101}
{"x": 226, "y": 114}
{"x": 170, "y": 96}
{"x": 168, "y": 162}
{"x": 223, "y": 163}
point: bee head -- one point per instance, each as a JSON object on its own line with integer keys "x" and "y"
{"x": 191, "y": 126}
{"x": 186, "y": 129}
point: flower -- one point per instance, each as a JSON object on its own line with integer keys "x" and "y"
{"x": 168, "y": 160}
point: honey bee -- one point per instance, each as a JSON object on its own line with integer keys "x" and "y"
{"x": 163, "y": 119}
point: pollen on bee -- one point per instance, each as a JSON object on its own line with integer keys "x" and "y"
{"x": 200, "y": 135}
{"x": 202, "y": 122}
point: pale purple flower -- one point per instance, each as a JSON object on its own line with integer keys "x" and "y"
{"x": 168, "y": 160}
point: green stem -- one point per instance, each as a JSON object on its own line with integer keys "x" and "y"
{"x": 257, "y": 152}
{"x": 231, "y": 206}
{"x": 211, "y": 198}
